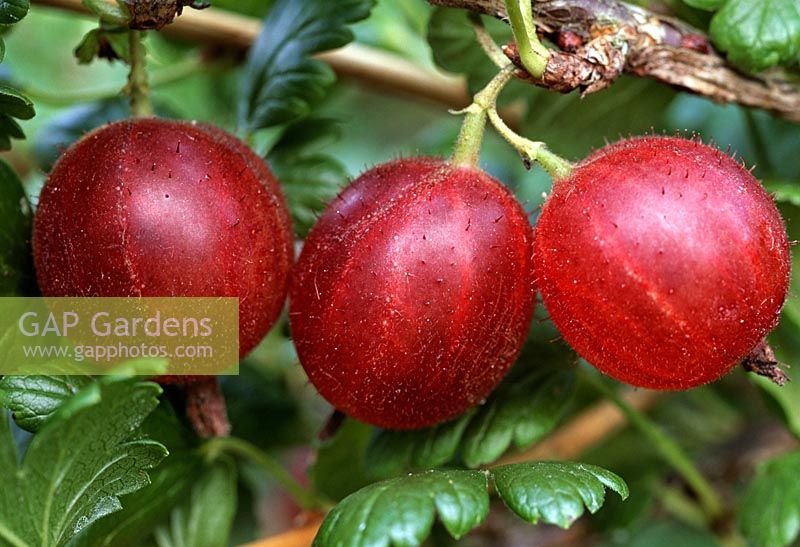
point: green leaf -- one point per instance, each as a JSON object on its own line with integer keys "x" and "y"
{"x": 257, "y": 392}
{"x": 520, "y": 413}
{"x": 390, "y": 452}
{"x": 341, "y": 452}
{"x": 708, "y": 5}
{"x": 451, "y": 36}
{"x": 144, "y": 510}
{"x": 770, "y": 514}
{"x": 79, "y": 463}
{"x": 665, "y": 534}
{"x": 526, "y": 406}
{"x": 553, "y": 492}
{"x": 14, "y": 103}
{"x": 34, "y": 399}
{"x": 206, "y": 519}
{"x": 309, "y": 178}
{"x": 630, "y": 107}
{"x": 17, "y": 276}
{"x": 282, "y": 82}
{"x": 758, "y": 34}
{"x": 401, "y": 511}
{"x": 13, "y": 11}
{"x": 784, "y": 192}
{"x": 97, "y": 41}
{"x": 171, "y": 483}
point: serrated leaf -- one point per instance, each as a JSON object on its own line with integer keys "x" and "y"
{"x": 524, "y": 411}
{"x": 309, "y": 179}
{"x": 281, "y": 81}
{"x": 147, "y": 508}
{"x": 34, "y": 399}
{"x": 13, "y": 11}
{"x": 525, "y": 407}
{"x": 309, "y": 183}
{"x": 451, "y": 36}
{"x": 17, "y": 276}
{"x": 401, "y": 511}
{"x": 170, "y": 483}
{"x": 758, "y": 34}
{"x": 79, "y": 463}
{"x": 555, "y": 492}
{"x": 770, "y": 514}
{"x": 390, "y": 452}
{"x": 206, "y": 519}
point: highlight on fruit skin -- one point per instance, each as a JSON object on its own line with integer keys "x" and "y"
{"x": 153, "y": 207}
{"x": 413, "y": 293}
{"x": 662, "y": 262}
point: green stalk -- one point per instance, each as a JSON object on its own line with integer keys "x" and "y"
{"x": 556, "y": 166}
{"x": 667, "y": 448}
{"x": 138, "y": 88}
{"x": 531, "y": 51}
{"x": 238, "y": 447}
{"x": 468, "y": 146}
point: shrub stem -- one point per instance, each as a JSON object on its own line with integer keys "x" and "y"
{"x": 138, "y": 88}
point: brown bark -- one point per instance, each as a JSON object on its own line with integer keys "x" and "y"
{"x": 606, "y": 38}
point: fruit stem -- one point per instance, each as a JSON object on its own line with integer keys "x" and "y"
{"x": 487, "y": 43}
{"x": 532, "y": 53}
{"x": 239, "y": 447}
{"x": 138, "y": 88}
{"x": 556, "y": 166}
{"x": 667, "y": 448}
{"x": 468, "y": 146}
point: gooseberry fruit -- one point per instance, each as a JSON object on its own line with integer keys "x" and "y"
{"x": 413, "y": 293}
{"x": 152, "y": 207}
{"x": 661, "y": 261}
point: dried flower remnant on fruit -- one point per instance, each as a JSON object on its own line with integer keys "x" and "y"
{"x": 413, "y": 293}
{"x": 155, "y": 14}
{"x": 662, "y": 261}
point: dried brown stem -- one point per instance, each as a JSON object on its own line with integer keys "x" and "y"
{"x": 205, "y": 407}
{"x": 609, "y": 38}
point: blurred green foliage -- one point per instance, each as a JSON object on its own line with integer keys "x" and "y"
{"x": 375, "y": 126}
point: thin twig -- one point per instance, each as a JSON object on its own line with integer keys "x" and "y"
{"x": 615, "y": 38}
